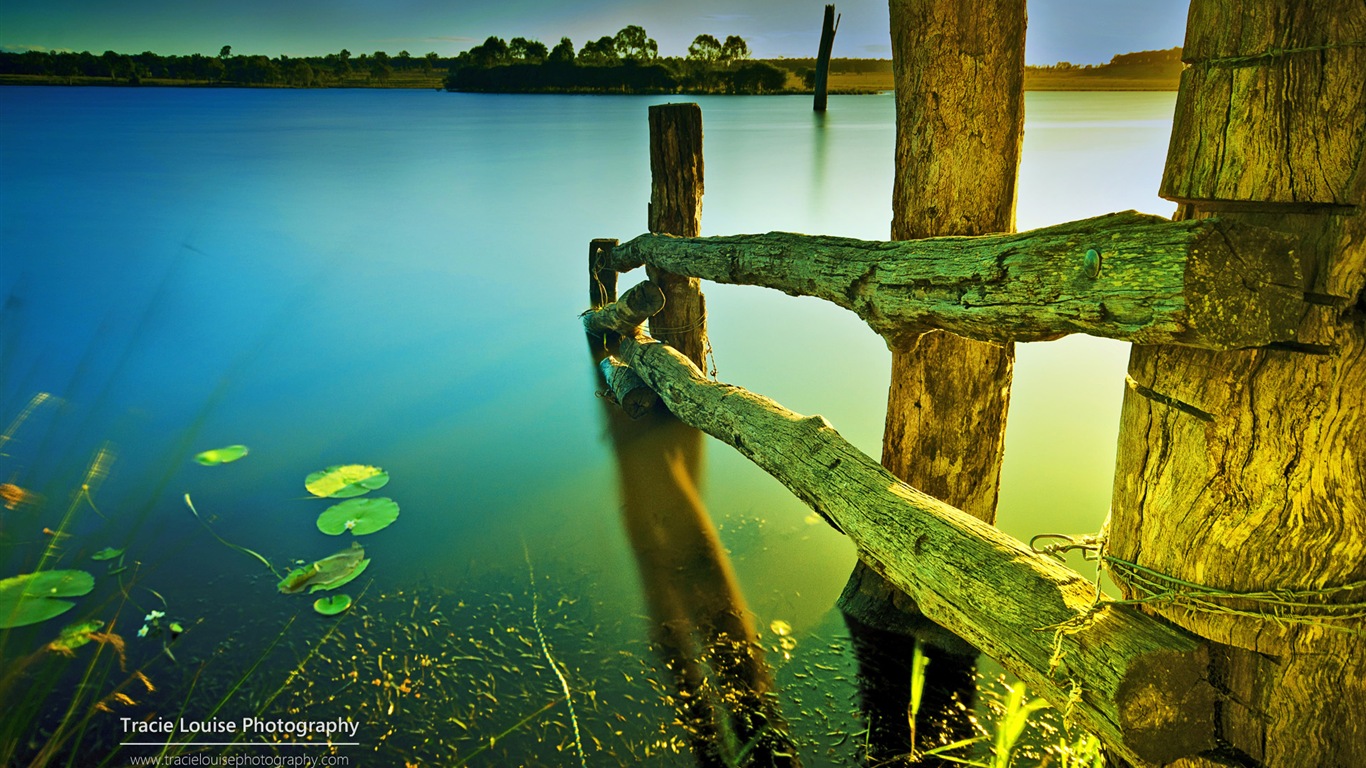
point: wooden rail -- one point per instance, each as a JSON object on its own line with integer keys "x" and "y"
{"x": 1128, "y": 276}
{"x": 1136, "y": 682}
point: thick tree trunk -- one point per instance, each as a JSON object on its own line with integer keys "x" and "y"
{"x": 1127, "y": 276}
{"x": 1134, "y": 681}
{"x": 958, "y": 68}
{"x": 1268, "y": 493}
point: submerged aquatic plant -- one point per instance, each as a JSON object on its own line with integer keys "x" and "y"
{"x": 229, "y": 544}
{"x": 328, "y": 573}
{"x": 331, "y": 606}
{"x": 223, "y": 455}
{"x": 342, "y": 481}
{"x": 108, "y": 553}
{"x": 31, "y": 598}
{"x": 359, "y": 516}
{"x": 74, "y": 636}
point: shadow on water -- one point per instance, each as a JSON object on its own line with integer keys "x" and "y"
{"x": 699, "y": 620}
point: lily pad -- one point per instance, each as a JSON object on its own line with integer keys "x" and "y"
{"x": 331, "y": 606}
{"x": 31, "y": 598}
{"x": 359, "y": 516}
{"x": 342, "y": 481}
{"x": 328, "y": 573}
{"x": 108, "y": 553}
{"x": 221, "y": 455}
{"x": 73, "y": 636}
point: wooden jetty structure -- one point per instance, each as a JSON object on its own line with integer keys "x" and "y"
{"x": 1238, "y": 523}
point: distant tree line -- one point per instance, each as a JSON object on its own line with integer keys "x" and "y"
{"x": 1166, "y": 59}
{"x": 628, "y": 62}
{"x": 313, "y": 71}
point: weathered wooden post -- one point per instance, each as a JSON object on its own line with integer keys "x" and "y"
{"x": 959, "y": 76}
{"x": 828, "y": 27}
{"x": 1267, "y": 494}
{"x": 700, "y": 620}
{"x": 676, "y": 209}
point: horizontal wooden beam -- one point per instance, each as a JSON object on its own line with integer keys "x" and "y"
{"x": 1129, "y": 276}
{"x": 1134, "y": 681}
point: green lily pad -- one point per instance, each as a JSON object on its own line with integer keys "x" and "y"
{"x": 31, "y": 598}
{"x": 328, "y": 573}
{"x": 221, "y": 455}
{"x": 359, "y": 516}
{"x": 108, "y": 553}
{"x": 331, "y": 606}
{"x": 342, "y": 481}
{"x": 73, "y": 636}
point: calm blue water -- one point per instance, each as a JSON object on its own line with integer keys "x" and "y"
{"x": 393, "y": 278}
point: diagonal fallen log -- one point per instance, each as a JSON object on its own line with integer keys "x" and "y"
{"x": 1134, "y": 681}
{"x": 1130, "y": 276}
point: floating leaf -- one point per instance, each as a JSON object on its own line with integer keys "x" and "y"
{"x": 328, "y": 573}
{"x": 108, "y": 553}
{"x": 32, "y": 597}
{"x": 344, "y": 481}
{"x": 73, "y": 636}
{"x": 359, "y": 516}
{"x": 221, "y": 455}
{"x": 331, "y": 606}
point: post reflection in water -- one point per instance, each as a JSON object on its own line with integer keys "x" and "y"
{"x": 700, "y": 623}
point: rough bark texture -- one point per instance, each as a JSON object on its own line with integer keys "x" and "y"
{"x": 1127, "y": 276}
{"x": 828, "y": 25}
{"x": 959, "y": 74}
{"x": 1269, "y": 491}
{"x": 1134, "y": 681}
{"x": 632, "y": 394}
{"x": 676, "y": 209}
{"x": 640, "y": 302}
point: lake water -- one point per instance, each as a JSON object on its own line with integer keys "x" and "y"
{"x": 393, "y": 278}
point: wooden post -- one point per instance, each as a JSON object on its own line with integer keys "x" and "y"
{"x": 676, "y": 209}
{"x": 1269, "y": 493}
{"x": 959, "y": 75}
{"x": 828, "y": 27}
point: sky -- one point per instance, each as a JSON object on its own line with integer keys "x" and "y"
{"x": 1079, "y": 31}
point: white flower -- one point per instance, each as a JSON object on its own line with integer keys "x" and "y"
{"x": 350, "y": 524}
{"x": 142, "y": 632}
{"x": 153, "y": 616}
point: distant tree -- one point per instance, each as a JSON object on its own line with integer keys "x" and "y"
{"x": 522, "y": 49}
{"x": 704, "y": 48}
{"x": 490, "y": 53}
{"x": 300, "y": 73}
{"x": 429, "y": 62}
{"x": 600, "y": 52}
{"x": 734, "y": 49}
{"x": 758, "y": 77}
{"x": 225, "y": 52}
{"x": 562, "y": 53}
{"x": 632, "y": 44}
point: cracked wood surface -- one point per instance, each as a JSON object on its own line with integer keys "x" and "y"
{"x": 1138, "y": 683}
{"x": 1207, "y": 283}
{"x": 1269, "y": 491}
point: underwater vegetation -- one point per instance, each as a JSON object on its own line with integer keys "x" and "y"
{"x": 502, "y": 666}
